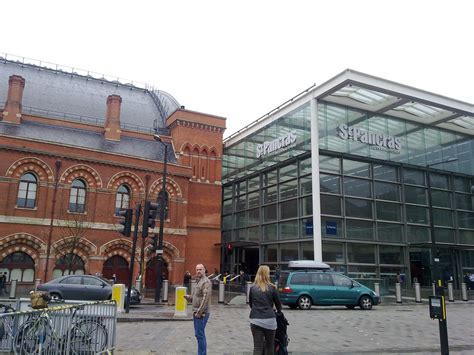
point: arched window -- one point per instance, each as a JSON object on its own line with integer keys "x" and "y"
{"x": 27, "y": 191}
{"x": 18, "y": 266}
{"x": 166, "y": 204}
{"x": 122, "y": 199}
{"x": 68, "y": 264}
{"x": 77, "y": 199}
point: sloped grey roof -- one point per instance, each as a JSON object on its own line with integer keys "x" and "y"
{"x": 68, "y": 95}
{"x": 87, "y": 139}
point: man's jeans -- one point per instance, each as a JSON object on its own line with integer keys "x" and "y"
{"x": 199, "y": 332}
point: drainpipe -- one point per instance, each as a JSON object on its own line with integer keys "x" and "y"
{"x": 53, "y": 208}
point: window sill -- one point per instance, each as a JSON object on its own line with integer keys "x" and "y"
{"x": 71, "y": 212}
{"x": 26, "y": 208}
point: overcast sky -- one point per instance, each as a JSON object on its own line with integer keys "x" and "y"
{"x": 240, "y": 59}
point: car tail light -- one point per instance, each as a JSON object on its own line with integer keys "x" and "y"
{"x": 286, "y": 290}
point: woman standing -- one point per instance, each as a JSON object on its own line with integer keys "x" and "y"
{"x": 263, "y": 296}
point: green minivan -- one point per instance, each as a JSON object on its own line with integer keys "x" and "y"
{"x": 304, "y": 287}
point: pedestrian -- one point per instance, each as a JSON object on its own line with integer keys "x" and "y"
{"x": 243, "y": 281}
{"x": 187, "y": 279}
{"x": 216, "y": 272}
{"x": 114, "y": 279}
{"x": 201, "y": 301}
{"x": 3, "y": 282}
{"x": 399, "y": 278}
{"x": 263, "y": 297}
{"x": 277, "y": 274}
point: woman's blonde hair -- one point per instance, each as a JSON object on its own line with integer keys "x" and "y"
{"x": 262, "y": 278}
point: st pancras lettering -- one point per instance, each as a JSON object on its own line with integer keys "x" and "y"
{"x": 276, "y": 144}
{"x": 361, "y": 135}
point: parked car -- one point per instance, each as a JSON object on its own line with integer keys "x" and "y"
{"x": 84, "y": 288}
{"x": 306, "y": 287}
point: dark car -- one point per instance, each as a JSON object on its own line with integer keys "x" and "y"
{"x": 84, "y": 288}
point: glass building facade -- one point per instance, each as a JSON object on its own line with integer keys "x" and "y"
{"x": 392, "y": 190}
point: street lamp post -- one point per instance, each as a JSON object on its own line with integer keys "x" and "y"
{"x": 434, "y": 247}
{"x": 162, "y": 201}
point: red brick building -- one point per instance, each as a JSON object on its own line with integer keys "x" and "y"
{"x": 74, "y": 148}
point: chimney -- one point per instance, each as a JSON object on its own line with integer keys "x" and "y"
{"x": 12, "y": 110}
{"x": 112, "y": 120}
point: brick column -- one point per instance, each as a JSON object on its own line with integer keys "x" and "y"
{"x": 112, "y": 121}
{"x": 12, "y": 111}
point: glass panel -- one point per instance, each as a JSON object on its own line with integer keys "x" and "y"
{"x": 270, "y": 194}
{"x": 416, "y": 234}
{"x": 466, "y": 219}
{"x": 443, "y": 218}
{"x": 254, "y": 183}
{"x": 464, "y": 202}
{"x": 289, "y": 172}
{"x": 385, "y": 172}
{"x": 289, "y": 229}
{"x": 306, "y": 225}
{"x": 330, "y": 183}
{"x": 414, "y": 177}
{"x": 270, "y": 253}
{"x": 331, "y": 227}
{"x": 240, "y": 220}
{"x": 289, "y": 189}
{"x": 362, "y": 230}
{"x": 466, "y": 237}
{"x": 357, "y": 187}
{"x": 241, "y": 187}
{"x": 254, "y": 216}
{"x": 391, "y": 255}
{"x": 415, "y": 195}
{"x": 254, "y": 199}
{"x": 307, "y": 250}
{"x": 462, "y": 184}
{"x": 390, "y": 232}
{"x": 289, "y": 209}
{"x": 333, "y": 252}
{"x": 227, "y": 222}
{"x": 358, "y": 208}
{"x": 439, "y": 181}
{"x": 388, "y": 211}
{"x": 305, "y": 166}
{"x": 306, "y": 185}
{"x": 330, "y": 205}
{"x": 330, "y": 164}
{"x": 241, "y": 234}
{"x": 269, "y": 213}
{"x": 361, "y": 253}
{"x": 227, "y": 191}
{"x": 269, "y": 232}
{"x": 241, "y": 202}
{"x": 28, "y": 177}
{"x": 289, "y": 251}
{"x": 385, "y": 191}
{"x": 307, "y": 206}
{"x": 444, "y": 235}
{"x": 270, "y": 178}
{"x": 417, "y": 214}
{"x": 253, "y": 234}
{"x": 356, "y": 168}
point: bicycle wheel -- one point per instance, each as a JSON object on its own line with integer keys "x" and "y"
{"x": 88, "y": 336}
{"x": 33, "y": 337}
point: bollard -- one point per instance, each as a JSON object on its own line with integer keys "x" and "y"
{"x": 138, "y": 284}
{"x": 165, "y": 291}
{"x": 417, "y": 292}
{"x": 180, "y": 303}
{"x": 249, "y": 285}
{"x": 118, "y": 295}
{"x": 398, "y": 292}
{"x": 377, "y": 288}
{"x": 37, "y": 282}
{"x": 450, "y": 292}
{"x": 463, "y": 291}
{"x": 221, "y": 291}
{"x": 13, "y": 289}
{"x": 434, "y": 288}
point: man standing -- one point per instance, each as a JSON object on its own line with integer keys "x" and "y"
{"x": 201, "y": 299}
{"x": 3, "y": 282}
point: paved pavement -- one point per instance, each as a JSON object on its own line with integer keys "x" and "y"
{"x": 388, "y": 328}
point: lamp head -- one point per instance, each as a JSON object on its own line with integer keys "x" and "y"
{"x": 157, "y": 138}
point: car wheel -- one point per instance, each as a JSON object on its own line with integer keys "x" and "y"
{"x": 350, "y": 306}
{"x": 304, "y": 302}
{"x": 365, "y": 303}
{"x": 55, "y": 297}
{"x": 292, "y": 306}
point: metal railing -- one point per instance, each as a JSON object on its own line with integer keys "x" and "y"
{"x": 88, "y": 328}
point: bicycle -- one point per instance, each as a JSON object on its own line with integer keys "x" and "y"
{"x": 38, "y": 335}
{"x": 7, "y": 323}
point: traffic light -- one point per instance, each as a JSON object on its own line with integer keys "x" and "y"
{"x": 149, "y": 216}
{"x": 229, "y": 248}
{"x": 126, "y": 216}
{"x": 154, "y": 243}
